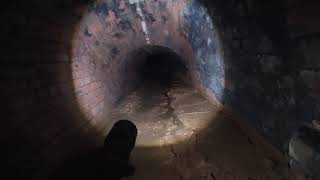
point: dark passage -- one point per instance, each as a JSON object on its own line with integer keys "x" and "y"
{"x": 163, "y": 67}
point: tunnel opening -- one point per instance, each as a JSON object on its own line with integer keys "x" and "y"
{"x": 155, "y": 69}
{"x": 163, "y": 67}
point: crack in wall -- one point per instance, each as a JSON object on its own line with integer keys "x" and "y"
{"x": 171, "y": 109}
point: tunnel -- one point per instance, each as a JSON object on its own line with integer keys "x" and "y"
{"x": 224, "y": 89}
{"x": 163, "y": 66}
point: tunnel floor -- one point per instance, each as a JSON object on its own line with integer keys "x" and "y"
{"x": 181, "y": 135}
{"x": 164, "y": 115}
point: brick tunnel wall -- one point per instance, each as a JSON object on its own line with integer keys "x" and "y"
{"x": 53, "y": 58}
{"x": 59, "y": 79}
{"x": 42, "y": 119}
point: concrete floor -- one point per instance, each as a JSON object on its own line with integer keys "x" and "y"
{"x": 183, "y": 136}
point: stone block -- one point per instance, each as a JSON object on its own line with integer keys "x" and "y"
{"x": 265, "y": 45}
{"x": 270, "y": 63}
{"x": 310, "y": 48}
{"x": 304, "y": 151}
{"x": 311, "y": 80}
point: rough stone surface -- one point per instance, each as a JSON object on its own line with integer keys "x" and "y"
{"x": 304, "y": 150}
{"x": 304, "y": 50}
{"x": 255, "y": 82}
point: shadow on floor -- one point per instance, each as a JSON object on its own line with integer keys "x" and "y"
{"x": 108, "y": 162}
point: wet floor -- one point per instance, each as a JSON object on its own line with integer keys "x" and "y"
{"x": 183, "y": 136}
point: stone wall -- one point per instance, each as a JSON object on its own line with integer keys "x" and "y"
{"x": 259, "y": 83}
{"x": 304, "y": 29}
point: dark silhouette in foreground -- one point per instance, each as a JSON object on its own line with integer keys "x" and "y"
{"x": 110, "y": 162}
